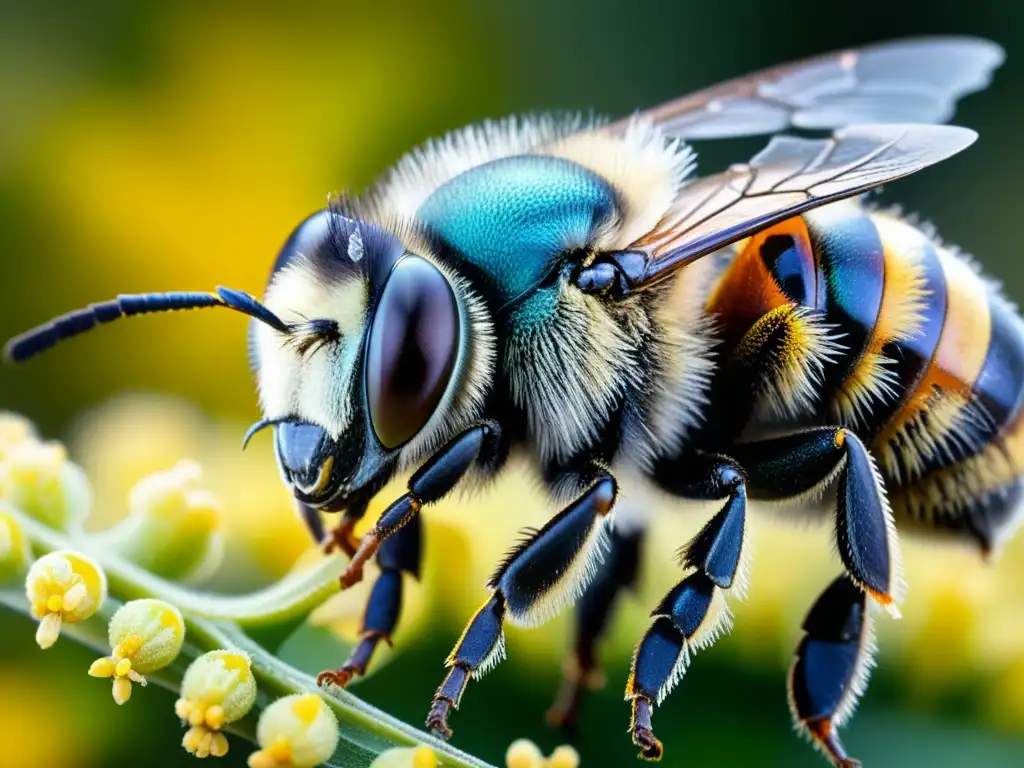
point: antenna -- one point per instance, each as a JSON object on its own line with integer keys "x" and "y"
{"x": 42, "y": 337}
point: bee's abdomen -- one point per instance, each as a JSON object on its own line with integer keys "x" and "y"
{"x": 927, "y": 364}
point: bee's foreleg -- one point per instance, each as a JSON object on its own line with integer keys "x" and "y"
{"x": 400, "y": 553}
{"x": 547, "y": 570}
{"x": 431, "y": 482}
{"x": 831, "y": 666}
{"x": 693, "y": 613}
{"x": 803, "y": 465}
{"x": 593, "y": 612}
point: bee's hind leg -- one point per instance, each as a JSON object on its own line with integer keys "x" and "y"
{"x": 831, "y": 665}
{"x": 398, "y": 554}
{"x": 544, "y": 572}
{"x": 593, "y": 614}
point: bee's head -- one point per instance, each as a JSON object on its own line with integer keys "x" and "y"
{"x": 377, "y": 370}
{"x": 368, "y": 353}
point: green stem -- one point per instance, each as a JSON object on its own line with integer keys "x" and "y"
{"x": 289, "y": 599}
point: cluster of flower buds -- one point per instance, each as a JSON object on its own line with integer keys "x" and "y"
{"x": 172, "y": 530}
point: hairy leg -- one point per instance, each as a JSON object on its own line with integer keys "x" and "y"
{"x": 546, "y": 571}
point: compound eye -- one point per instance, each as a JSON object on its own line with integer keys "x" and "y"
{"x": 412, "y": 350}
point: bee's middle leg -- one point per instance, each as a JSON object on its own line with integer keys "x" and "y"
{"x": 399, "y": 554}
{"x": 543, "y": 573}
{"x": 693, "y": 613}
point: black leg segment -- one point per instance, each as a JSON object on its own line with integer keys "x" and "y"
{"x": 310, "y": 516}
{"x": 693, "y": 613}
{"x": 432, "y": 482}
{"x": 549, "y": 569}
{"x": 831, "y": 666}
{"x": 803, "y": 465}
{"x": 399, "y": 554}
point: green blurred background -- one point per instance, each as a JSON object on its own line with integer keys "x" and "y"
{"x": 153, "y": 146}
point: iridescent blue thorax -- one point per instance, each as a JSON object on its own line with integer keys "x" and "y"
{"x": 512, "y": 218}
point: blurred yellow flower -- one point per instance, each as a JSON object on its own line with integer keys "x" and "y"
{"x": 173, "y": 528}
{"x": 145, "y": 635}
{"x": 523, "y": 753}
{"x": 15, "y": 429}
{"x": 564, "y": 757}
{"x": 38, "y": 479}
{"x": 297, "y": 731}
{"x": 63, "y": 587}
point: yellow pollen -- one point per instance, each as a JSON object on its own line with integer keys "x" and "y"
{"x": 182, "y": 707}
{"x": 280, "y": 751}
{"x": 232, "y": 661}
{"x": 424, "y": 757}
{"x": 102, "y": 668}
{"x": 124, "y": 666}
{"x": 74, "y": 597}
{"x": 196, "y": 716}
{"x": 307, "y": 707}
{"x": 168, "y": 619}
{"x": 55, "y": 603}
{"x": 48, "y": 630}
{"x": 219, "y": 745}
{"x": 122, "y": 689}
{"x": 129, "y": 646}
{"x": 192, "y": 739}
{"x": 215, "y": 717}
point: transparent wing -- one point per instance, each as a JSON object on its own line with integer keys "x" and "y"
{"x": 789, "y": 176}
{"x": 905, "y": 81}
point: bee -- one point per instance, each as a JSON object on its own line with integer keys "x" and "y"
{"x": 566, "y": 289}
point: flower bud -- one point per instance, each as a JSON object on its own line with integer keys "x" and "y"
{"x": 14, "y": 552}
{"x": 218, "y": 688}
{"x": 407, "y": 757}
{"x": 298, "y": 730}
{"x": 564, "y": 757}
{"x": 63, "y": 586}
{"x": 38, "y": 479}
{"x": 173, "y": 528}
{"x": 145, "y": 635}
{"x": 523, "y": 753}
{"x": 14, "y": 430}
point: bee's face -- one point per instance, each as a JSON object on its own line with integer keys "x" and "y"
{"x": 378, "y": 378}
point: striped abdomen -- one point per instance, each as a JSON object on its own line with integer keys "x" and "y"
{"x": 883, "y": 330}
